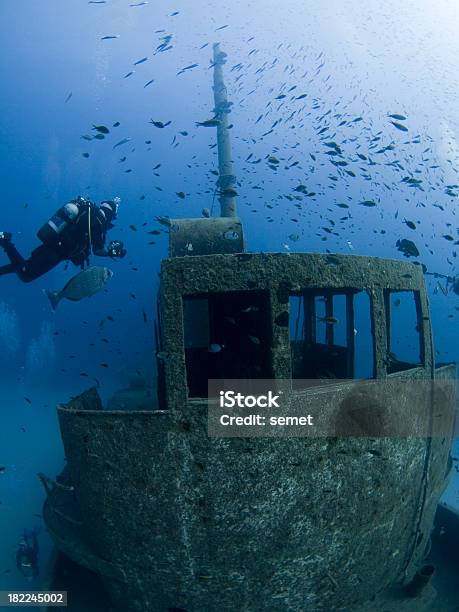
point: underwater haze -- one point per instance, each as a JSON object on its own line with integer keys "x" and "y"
{"x": 345, "y": 139}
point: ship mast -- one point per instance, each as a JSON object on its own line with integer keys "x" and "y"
{"x": 223, "y": 234}
{"x": 227, "y": 181}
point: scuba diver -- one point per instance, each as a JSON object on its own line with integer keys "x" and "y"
{"x": 76, "y": 230}
{"x": 27, "y": 554}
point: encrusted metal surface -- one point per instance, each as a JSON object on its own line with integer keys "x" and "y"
{"x": 255, "y": 524}
{"x": 249, "y": 524}
{"x": 190, "y": 237}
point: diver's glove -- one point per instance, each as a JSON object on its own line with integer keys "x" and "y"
{"x": 116, "y": 249}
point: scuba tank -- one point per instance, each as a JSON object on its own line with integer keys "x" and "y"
{"x": 52, "y": 230}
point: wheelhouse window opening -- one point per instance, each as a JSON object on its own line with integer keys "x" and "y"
{"x": 405, "y": 339}
{"x": 323, "y": 334}
{"x": 226, "y": 336}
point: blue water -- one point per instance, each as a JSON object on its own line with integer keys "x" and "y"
{"x": 58, "y": 78}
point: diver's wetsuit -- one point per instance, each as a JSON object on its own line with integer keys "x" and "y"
{"x": 74, "y": 246}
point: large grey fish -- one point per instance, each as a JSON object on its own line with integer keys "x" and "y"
{"x": 84, "y": 284}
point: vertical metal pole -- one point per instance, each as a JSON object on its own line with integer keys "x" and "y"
{"x": 226, "y": 181}
{"x": 329, "y": 330}
{"x": 350, "y": 335}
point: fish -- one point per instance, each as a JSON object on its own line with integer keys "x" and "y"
{"x": 110, "y": 37}
{"x": 301, "y": 188}
{"x": 180, "y": 194}
{"x": 250, "y": 309}
{"x": 27, "y": 399}
{"x": 190, "y": 67}
{"x": 164, "y": 221}
{"x": 399, "y": 126}
{"x": 398, "y": 117}
{"x": 101, "y": 129}
{"x": 128, "y": 74}
{"x": 149, "y": 83}
{"x": 2, "y": 469}
{"x": 121, "y": 142}
{"x": 407, "y": 247}
{"x": 116, "y": 124}
{"x": 139, "y": 4}
{"x": 160, "y": 124}
{"x": 208, "y": 123}
{"x": 221, "y": 27}
{"x": 82, "y": 285}
{"x": 215, "y": 348}
{"x": 254, "y": 339}
{"x": 68, "y": 97}
{"x": 329, "y": 320}
{"x": 205, "y": 212}
{"x": 140, "y": 61}
{"x": 368, "y": 203}
{"x": 410, "y": 224}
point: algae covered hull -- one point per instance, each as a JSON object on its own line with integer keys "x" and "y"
{"x": 173, "y": 518}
